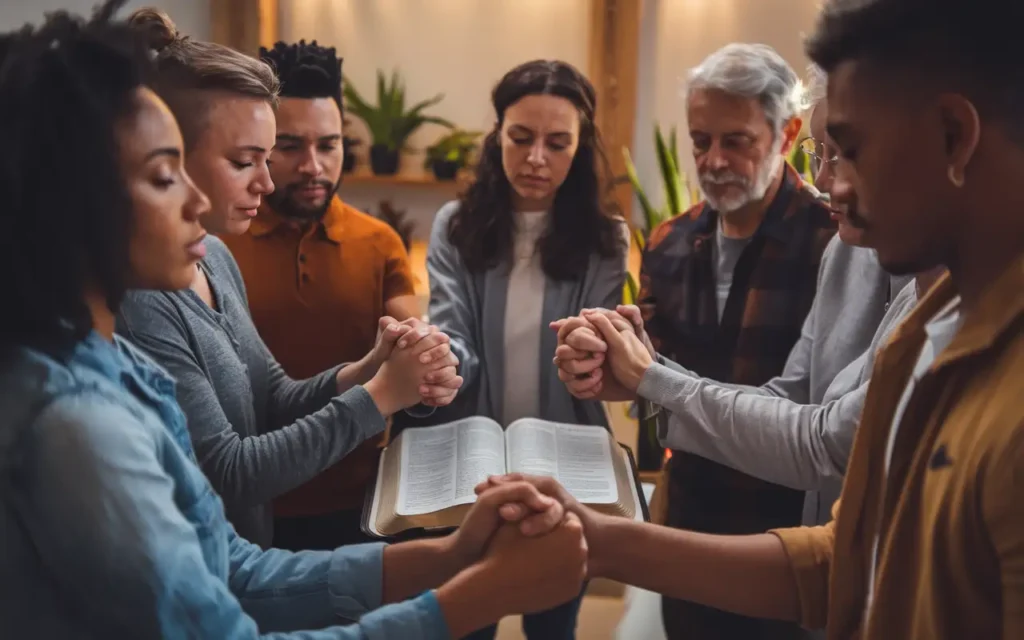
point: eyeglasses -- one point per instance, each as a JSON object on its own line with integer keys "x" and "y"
{"x": 816, "y": 151}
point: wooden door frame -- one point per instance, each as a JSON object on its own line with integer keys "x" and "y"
{"x": 245, "y": 24}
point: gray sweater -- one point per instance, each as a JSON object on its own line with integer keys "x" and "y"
{"x": 796, "y": 430}
{"x": 257, "y": 433}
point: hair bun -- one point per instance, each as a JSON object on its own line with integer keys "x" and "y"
{"x": 156, "y": 27}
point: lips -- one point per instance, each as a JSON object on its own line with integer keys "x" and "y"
{"x": 196, "y": 249}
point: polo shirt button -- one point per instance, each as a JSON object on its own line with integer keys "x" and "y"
{"x": 305, "y": 277}
{"x": 302, "y": 258}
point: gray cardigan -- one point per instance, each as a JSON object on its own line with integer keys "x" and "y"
{"x": 796, "y": 430}
{"x": 257, "y": 433}
{"x": 470, "y": 308}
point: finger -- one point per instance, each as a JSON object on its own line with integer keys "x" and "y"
{"x": 565, "y": 352}
{"x": 391, "y": 333}
{"x": 520, "y": 492}
{"x": 443, "y": 377}
{"x": 441, "y": 390}
{"x": 608, "y": 331}
{"x": 384, "y": 322}
{"x": 536, "y": 524}
{"x": 445, "y": 361}
{"x": 512, "y": 512}
{"x": 571, "y": 325}
{"x": 585, "y": 392}
{"x": 580, "y": 367}
{"x": 414, "y": 322}
{"x": 586, "y": 339}
{"x": 589, "y": 377}
{"x": 433, "y": 353}
{"x": 632, "y": 313}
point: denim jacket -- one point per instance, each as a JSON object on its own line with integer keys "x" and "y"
{"x": 108, "y": 529}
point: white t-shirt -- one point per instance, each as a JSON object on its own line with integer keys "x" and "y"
{"x": 939, "y": 331}
{"x": 524, "y": 314}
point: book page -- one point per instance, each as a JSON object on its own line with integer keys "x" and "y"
{"x": 578, "y": 456}
{"x": 441, "y": 465}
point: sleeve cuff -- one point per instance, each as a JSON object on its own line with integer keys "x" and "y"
{"x": 355, "y": 580}
{"x": 365, "y": 414}
{"x": 661, "y": 384}
{"x": 417, "y": 619}
{"x": 809, "y": 551}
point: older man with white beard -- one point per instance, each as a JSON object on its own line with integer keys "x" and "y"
{"x": 727, "y": 285}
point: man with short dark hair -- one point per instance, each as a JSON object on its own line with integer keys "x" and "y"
{"x": 319, "y": 275}
{"x": 928, "y": 538}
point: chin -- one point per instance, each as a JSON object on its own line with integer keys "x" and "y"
{"x": 237, "y": 227}
{"x": 901, "y": 266}
{"x": 851, "y": 235}
{"x": 533, "y": 194}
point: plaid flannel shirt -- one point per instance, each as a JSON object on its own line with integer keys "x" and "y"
{"x": 773, "y": 287}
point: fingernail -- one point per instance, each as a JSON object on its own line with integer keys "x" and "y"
{"x": 392, "y": 327}
{"x": 424, "y": 358}
{"x": 402, "y": 343}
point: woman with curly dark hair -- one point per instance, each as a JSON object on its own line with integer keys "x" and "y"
{"x": 533, "y": 239}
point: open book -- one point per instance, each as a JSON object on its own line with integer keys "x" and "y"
{"x": 426, "y": 476}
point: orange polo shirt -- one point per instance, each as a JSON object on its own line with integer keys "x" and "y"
{"x": 316, "y": 296}
{"x": 948, "y": 516}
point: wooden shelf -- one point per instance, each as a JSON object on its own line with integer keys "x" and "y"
{"x": 410, "y": 179}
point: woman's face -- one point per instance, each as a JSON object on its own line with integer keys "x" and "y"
{"x": 229, "y": 160}
{"x": 166, "y": 239}
{"x": 539, "y": 138}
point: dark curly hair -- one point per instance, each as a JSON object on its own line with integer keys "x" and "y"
{"x": 306, "y": 70}
{"x": 67, "y": 215}
{"x": 583, "y": 221}
{"x": 973, "y": 44}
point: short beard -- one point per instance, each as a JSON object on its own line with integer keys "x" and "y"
{"x": 282, "y": 203}
{"x": 762, "y": 182}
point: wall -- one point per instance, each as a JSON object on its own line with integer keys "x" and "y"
{"x": 457, "y": 47}
{"x": 191, "y": 16}
{"x": 677, "y": 34}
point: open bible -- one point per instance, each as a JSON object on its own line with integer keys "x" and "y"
{"x": 426, "y": 476}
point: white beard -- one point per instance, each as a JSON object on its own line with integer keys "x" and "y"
{"x": 747, "y": 192}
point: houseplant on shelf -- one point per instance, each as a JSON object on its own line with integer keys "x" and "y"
{"x": 398, "y": 220}
{"x": 389, "y": 122}
{"x": 450, "y": 153}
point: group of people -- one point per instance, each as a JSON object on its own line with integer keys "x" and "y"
{"x": 206, "y": 347}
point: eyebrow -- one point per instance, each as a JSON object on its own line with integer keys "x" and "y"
{"x": 163, "y": 151}
{"x": 550, "y": 134}
{"x": 253, "y": 148}
{"x": 288, "y": 137}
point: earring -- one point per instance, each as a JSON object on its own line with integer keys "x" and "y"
{"x": 957, "y": 180}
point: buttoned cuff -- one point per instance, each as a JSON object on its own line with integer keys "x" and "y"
{"x": 809, "y": 550}
{"x": 355, "y": 581}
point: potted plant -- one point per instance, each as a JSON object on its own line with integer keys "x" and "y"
{"x": 389, "y": 122}
{"x": 450, "y": 153}
{"x": 397, "y": 219}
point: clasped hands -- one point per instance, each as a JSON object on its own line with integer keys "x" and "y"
{"x": 603, "y": 354}
{"x": 412, "y": 362}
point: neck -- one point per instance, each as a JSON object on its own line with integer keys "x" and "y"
{"x": 743, "y": 222}
{"x": 980, "y": 262}
{"x": 526, "y": 205}
{"x": 102, "y": 316}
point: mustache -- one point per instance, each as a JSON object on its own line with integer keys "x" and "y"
{"x": 725, "y": 177}
{"x": 295, "y": 186}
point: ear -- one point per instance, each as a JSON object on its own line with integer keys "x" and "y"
{"x": 961, "y": 126}
{"x": 789, "y": 134}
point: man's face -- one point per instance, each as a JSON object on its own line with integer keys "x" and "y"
{"x": 891, "y": 178}
{"x": 735, "y": 149}
{"x": 306, "y": 163}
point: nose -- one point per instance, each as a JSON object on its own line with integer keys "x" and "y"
{"x": 714, "y": 159}
{"x": 263, "y": 184}
{"x": 841, "y": 189}
{"x": 197, "y": 204}
{"x": 538, "y": 156}
{"x": 310, "y": 166}
{"x": 824, "y": 177}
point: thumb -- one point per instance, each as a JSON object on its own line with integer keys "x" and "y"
{"x": 384, "y": 321}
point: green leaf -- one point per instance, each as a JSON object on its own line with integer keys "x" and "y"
{"x": 632, "y": 290}
{"x": 651, "y": 214}
{"x": 669, "y": 174}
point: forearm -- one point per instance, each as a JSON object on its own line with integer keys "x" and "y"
{"x": 412, "y": 567}
{"x": 796, "y": 445}
{"x": 355, "y": 374}
{"x": 749, "y": 575}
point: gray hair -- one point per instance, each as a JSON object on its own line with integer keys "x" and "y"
{"x": 752, "y": 71}
{"x": 817, "y": 84}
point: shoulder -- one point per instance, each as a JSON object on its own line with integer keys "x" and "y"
{"x": 368, "y": 228}
{"x": 444, "y": 216}
{"x": 677, "y": 226}
{"x": 150, "y": 312}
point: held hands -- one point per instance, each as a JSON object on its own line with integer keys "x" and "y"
{"x": 603, "y": 354}
{"x": 414, "y": 363}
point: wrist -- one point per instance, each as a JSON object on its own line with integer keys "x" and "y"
{"x": 470, "y": 601}
{"x": 600, "y": 531}
{"x": 382, "y": 396}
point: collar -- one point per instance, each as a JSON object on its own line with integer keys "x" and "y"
{"x": 780, "y": 219}
{"x": 121, "y": 361}
{"x": 330, "y": 227}
{"x": 997, "y": 312}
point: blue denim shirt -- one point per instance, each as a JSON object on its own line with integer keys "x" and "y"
{"x": 108, "y": 529}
